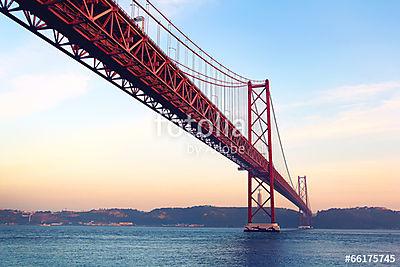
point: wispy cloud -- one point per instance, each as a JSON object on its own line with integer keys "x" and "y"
{"x": 34, "y": 93}
{"x": 356, "y": 92}
{"x": 346, "y": 94}
{"x": 352, "y": 122}
{"x": 26, "y": 89}
{"x": 364, "y": 109}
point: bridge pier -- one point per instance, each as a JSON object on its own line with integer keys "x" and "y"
{"x": 262, "y": 227}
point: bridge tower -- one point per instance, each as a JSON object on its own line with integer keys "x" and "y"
{"x": 304, "y": 218}
{"x": 260, "y": 216}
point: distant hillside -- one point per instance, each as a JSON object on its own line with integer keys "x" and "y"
{"x": 215, "y": 216}
{"x": 357, "y": 218}
{"x": 208, "y": 216}
{"x": 201, "y": 215}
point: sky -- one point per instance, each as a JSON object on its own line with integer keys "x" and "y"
{"x": 69, "y": 140}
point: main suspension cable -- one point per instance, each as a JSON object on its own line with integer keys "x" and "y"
{"x": 280, "y": 142}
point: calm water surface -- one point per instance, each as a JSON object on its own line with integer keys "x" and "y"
{"x": 148, "y": 246}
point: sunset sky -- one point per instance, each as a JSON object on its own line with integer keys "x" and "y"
{"x": 70, "y": 140}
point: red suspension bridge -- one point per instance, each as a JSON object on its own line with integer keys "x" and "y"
{"x": 145, "y": 55}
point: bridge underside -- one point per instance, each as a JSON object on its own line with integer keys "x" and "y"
{"x": 155, "y": 82}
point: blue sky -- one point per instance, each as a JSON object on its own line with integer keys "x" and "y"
{"x": 299, "y": 40}
{"x": 334, "y": 68}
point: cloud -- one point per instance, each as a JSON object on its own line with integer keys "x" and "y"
{"x": 27, "y": 89}
{"x": 357, "y": 92}
{"x": 353, "y": 122}
{"x": 346, "y": 94}
{"x": 349, "y": 111}
{"x": 32, "y": 93}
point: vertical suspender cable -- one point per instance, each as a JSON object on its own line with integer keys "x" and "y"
{"x": 147, "y": 17}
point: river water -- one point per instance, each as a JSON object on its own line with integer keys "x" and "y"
{"x": 163, "y": 246}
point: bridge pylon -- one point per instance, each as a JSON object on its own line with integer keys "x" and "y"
{"x": 304, "y": 218}
{"x": 260, "y": 208}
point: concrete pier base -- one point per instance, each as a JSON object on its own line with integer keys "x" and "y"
{"x": 262, "y": 227}
{"x": 305, "y": 227}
